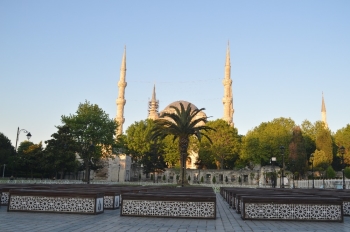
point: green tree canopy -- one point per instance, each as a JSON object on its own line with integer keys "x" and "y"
{"x": 93, "y": 131}
{"x": 60, "y": 152}
{"x": 225, "y": 145}
{"x": 342, "y": 138}
{"x": 264, "y": 141}
{"x": 7, "y": 152}
{"x": 297, "y": 160}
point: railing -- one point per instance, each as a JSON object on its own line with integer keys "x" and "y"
{"x": 327, "y": 183}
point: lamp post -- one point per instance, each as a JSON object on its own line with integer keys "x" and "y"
{"x": 272, "y": 161}
{"x": 198, "y": 165}
{"x": 28, "y": 137}
{"x": 342, "y": 151}
{"x": 312, "y": 169}
{"x": 241, "y": 177}
{"x": 19, "y": 131}
{"x": 3, "y": 171}
{"x": 118, "y": 171}
{"x": 282, "y": 153}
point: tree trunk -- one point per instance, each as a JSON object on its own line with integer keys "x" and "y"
{"x": 183, "y": 146}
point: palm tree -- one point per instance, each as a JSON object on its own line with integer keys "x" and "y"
{"x": 181, "y": 125}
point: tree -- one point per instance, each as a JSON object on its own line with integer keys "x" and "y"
{"x": 297, "y": 160}
{"x": 7, "y": 152}
{"x": 20, "y": 161}
{"x": 324, "y": 148}
{"x": 224, "y": 145}
{"x": 94, "y": 132}
{"x": 30, "y": 158}
{"x": 138, "y": 140}
{"x": 264, "y": 141}
{"x": 153, "y": 160}
{"x": 342, "y": 138}
{"x": 330, "y": 173}
{"x": 60, "y": 152}
{"x": 181, "y": 125}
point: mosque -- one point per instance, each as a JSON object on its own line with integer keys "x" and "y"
{"x": 121, "y": 169}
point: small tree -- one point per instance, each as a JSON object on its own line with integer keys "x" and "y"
{"x": 330, "y": 172}
{"x": 163, "y": 177}
{"x": 214, "y": 180}
{"x": 189, "y": 178}
{"x": 347, "y": 172}
{"x": 202, "y": 179}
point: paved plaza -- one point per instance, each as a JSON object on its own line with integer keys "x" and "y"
{"x": 110, "y": 220}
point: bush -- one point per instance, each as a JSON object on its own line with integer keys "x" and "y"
{"x": 214, "y": 180}
{"x": 163, "y": 177}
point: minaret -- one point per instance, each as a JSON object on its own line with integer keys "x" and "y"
{"x": 227, "y": 100}
{"x": 121, "y": 96}
{"x": 323, "y": 113}
{"x": 153, "y": 106}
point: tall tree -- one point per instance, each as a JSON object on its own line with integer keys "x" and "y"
{"x": 342, "y": 138}
{"x": 60, "y": 152}
{"x": 297, "y": 160}
{"x": 225, "y": 144}
{"x": 324, "y": 148}
{"x": 153, "y": 160}
{"x": 34, "y": 159}
{"x": 20, "y": 166}
{"x": 93, "y": 131}
{"x": 181, "y": 124}
{"x": 138, "y": 138}
{"x": 7, "y": 152}
{"x": 264, "y": 141}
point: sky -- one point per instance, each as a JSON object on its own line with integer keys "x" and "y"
{"x": 284, "y": 54}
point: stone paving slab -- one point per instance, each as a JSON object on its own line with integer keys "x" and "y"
{"x": 110, "y": 220}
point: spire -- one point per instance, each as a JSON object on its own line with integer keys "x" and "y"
{"x": 123, "y": 65}
{"x": 323, "y": 113}
{"x": 121, "y": 95}
{"x": 228, "y": 61}
{"x": 154, "y": 93}
{"x": 323, "y": 107}
{"x": 153, "y": 106}
{"x": 227, "y": 82}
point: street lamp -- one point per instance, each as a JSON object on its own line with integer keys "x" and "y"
{"x": 282, "y": 151}
{"x": 198, "y": 164}
{"x": 19, "y": 131}
{"x": 28, "y": 137}
{"x": 272, "y": 161}
{"x": 312, "y": 169}
{"x": 118, "y": 171}
{"x": 342, "y": 151}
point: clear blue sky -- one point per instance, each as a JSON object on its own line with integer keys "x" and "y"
{"x": 56, "y": 54}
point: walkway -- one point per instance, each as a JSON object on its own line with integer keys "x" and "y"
{"x": 227, "y": 220}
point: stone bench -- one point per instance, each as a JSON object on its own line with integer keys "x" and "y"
{"x": 55, "y": 201}
{"x": 175, "y": 205}
{"x": 309, "y": 208}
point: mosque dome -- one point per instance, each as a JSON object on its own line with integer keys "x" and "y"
{"x": 185, "y": 104}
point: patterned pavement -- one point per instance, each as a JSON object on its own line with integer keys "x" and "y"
{"x": 110, "y": 220}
